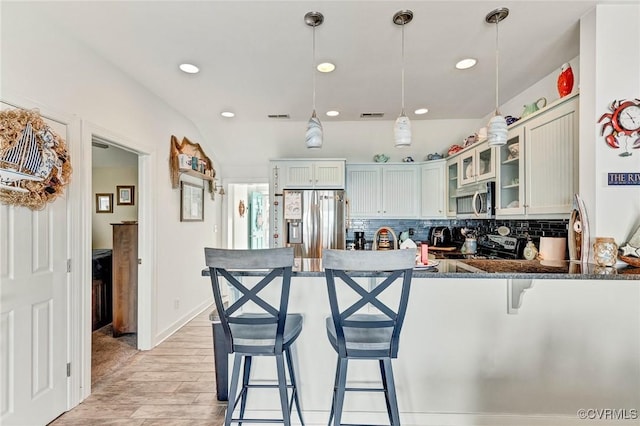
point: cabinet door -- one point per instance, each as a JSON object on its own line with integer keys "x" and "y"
{"x": 432, "y": 190}
{"x": 466, "y": 168}
{"x": 400, "y": 191}
{"x": 477, "y": 164}
{"x": 510, "y": 182}
{"x": 485, "y": 162}
{"x": 328, "y": 174}
{"x": 364, "y": 191}
{"x": 452, "y": 186}
{"x": 551, "y": 163}
{"x": 298, "y": 174}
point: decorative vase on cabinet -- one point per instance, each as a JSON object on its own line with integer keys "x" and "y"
{"x": 565, "y": 80}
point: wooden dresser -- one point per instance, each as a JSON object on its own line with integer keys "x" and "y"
{"x": 125, "y": 278}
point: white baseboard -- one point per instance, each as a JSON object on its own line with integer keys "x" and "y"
{"x": 177, "y": 325}
{"x": 440, "y": 419}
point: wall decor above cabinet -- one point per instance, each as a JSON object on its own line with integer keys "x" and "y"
{"x": 189, "y": 158}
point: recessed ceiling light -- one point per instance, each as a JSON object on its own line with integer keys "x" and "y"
{"x": 227, "y": 114}
{"x": 189, "y": 68}
{"x": 326, "y": 67}
{"x": 421, "y": 111}
{"x": 466, "y": 63}
{"x": 333, "y": 113}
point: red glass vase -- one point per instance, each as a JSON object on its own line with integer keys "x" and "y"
{"x": 565, "y": 80}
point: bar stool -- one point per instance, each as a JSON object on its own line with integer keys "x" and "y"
{"x": 364, "y": 335}
{"x": 266, "y": 330}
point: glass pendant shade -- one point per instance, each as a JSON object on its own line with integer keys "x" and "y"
{"x": 314, "y": 134}
{"x": 313, "y": 137}
{"x": 497, "y": 131}
{"x": 497, "y": 128}
{"x": 402, "y": 131}
{"x": 402, "y": 126}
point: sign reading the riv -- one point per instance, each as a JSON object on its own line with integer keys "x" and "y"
{"x": 627, "y": 178}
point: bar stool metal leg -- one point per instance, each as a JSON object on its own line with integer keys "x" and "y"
{"x": 390, "y": 385}
{"x": 282, "y": 387}
{"x": 386, "y": 390}
{"x": 335, "y": 387}
{"x": 233, "y": 389}
{"x": 340, "y": 390}
{"x": 294, "y": 384}
{"x": 246, "y": 373}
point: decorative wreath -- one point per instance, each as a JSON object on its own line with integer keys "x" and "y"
{"x": 34, "y": 162}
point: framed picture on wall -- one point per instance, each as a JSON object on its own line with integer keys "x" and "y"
{"x": 104, "y": 203}
{"x": 125, "y": 195}
{"x": 191, "y": 202}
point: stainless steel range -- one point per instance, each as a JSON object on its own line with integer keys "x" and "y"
{"x": 501, "y": 247}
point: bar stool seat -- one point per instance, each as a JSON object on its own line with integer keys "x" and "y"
{"x": 260, "y": 338}
{"x": 366, "y": 328}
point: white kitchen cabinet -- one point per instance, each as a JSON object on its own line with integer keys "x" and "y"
{"x": 476, "y": 164}
{"x": 383, "y": 190}
{"x": 307, "y": 174}
{"x": 542, "y": 178}
{"x": 433, "y": 191}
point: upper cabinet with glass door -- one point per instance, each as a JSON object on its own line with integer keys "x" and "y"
{"x": 476, "y": 164}
{"x": 538, "y": 166}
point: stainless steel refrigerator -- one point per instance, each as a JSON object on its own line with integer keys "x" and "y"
{"x": 313, "y": 220}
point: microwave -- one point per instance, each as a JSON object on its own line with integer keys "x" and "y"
{"x": 476, "y": 201}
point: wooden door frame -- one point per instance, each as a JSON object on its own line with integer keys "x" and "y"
{"x": 146, "y": 241}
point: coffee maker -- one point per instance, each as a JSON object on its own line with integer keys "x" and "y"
{"x": 360, "y": 242}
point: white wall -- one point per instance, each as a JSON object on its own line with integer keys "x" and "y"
{"x": 616, "y": 210}
{"x": 43, "y": 65}
{"x": 105, "y": 180}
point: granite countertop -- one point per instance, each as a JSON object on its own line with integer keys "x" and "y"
{"x": 487, "y": 268}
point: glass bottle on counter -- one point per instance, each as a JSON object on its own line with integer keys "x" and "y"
{"x": 605, "y": 251}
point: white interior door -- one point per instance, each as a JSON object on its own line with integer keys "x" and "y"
{"x": 33, "y": 311}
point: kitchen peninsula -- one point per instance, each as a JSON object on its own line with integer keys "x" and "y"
{"x": 466, "y": 359}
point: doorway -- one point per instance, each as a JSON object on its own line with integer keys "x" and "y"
{"x": 115, "y": 189}
{"x": 248, "y": 215}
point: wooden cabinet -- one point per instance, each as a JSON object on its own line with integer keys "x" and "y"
{"x": 125, "y": 278}
{"x": 383, "y": 190}
{"x": 476, "y": 164}
{"x": 324, "y": 174}
{"x": 433, "y": 191}
{"x": 542, "y": 178}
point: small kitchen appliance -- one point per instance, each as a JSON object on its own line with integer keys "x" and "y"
{"x": 385, "y": 239}
{"x": 440, "y": 236}
{"x": 495, "y": 246}
{"x": 476, "y": 201}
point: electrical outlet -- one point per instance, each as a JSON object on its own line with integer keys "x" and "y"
{"x": 176, "y": 304}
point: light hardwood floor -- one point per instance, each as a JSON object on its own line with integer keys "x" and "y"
{"x": 172, "y": 384}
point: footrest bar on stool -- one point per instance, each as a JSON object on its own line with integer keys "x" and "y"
{"x": 258, "y": 420}
{"x": 364, "y": 389}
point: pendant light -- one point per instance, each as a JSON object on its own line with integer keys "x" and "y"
{"x": 497, "y": 128}
{"x": 402, "y": 126}
{"x": 313, "y": 136}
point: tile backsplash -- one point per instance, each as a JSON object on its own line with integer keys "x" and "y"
{"x": 421, "y": 228}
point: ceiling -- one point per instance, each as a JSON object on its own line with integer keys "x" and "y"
{"x": 255, "y": 57}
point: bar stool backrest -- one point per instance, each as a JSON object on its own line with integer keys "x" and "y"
{"x": 263, "y": 315}
{"x": 395, "y": 266}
